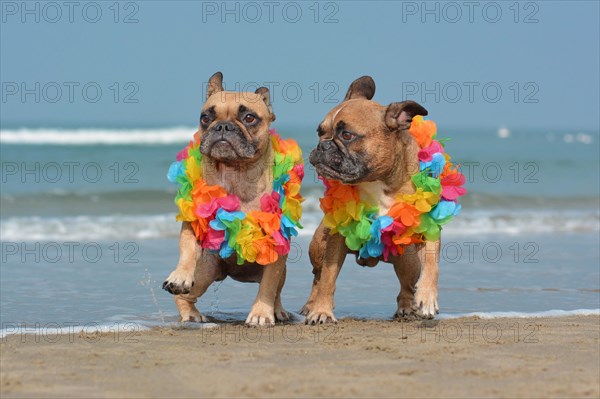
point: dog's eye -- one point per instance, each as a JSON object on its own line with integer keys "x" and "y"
{"x": 347, "y": 136}
{"x": 249, "y": 118}
{"x": 204, "y": 119}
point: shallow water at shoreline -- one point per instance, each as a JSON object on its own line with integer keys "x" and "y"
{"x": 122, "y": 284}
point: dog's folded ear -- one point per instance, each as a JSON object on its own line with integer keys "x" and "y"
{"x": 263, "y": 92}
{"x": 215, "y": 84}
{"x": 363, "y": 87}
{"x": 398, "y": 116}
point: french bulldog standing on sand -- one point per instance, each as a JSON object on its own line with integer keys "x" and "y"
{"x": 390, "y": 187}
{"x": 239, "y": 200}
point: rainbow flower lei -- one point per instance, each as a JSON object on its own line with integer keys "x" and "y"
{"x": 413, "y": 218}
{"x": 258, "y": 236}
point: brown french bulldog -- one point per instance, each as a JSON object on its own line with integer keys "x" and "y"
{"x": 368, "y": 145}
{"x": 238, "y": 156}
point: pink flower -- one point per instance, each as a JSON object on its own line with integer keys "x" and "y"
{"x": 299, "y": 169}
{"x": 214, "y": 239}
{"x": 387, "y": 234}
{"x": 452, "y": 186}
{"x": 283, "y": 245}
{"x": 270, "y": 203}
{"x": 183, "y": 154}
{"x": 229, "y": 203}
{"x": 426, "y": 154}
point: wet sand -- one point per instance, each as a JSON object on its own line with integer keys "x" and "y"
{"x": 467, "y": 357}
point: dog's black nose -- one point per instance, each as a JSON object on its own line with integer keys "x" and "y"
{"x": 326, "y": 145}
{"x": 225, "y": 126}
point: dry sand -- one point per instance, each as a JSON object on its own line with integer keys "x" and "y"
{"x": 468, "y": 357}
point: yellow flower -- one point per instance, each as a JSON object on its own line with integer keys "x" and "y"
{"x": 193, "y": 169}
{"x": 186, "y": 211}
{"x": 422, "y": 200}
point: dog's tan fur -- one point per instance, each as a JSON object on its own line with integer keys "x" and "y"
{"x": 390, "y": 153}
{"x": 249, "y": 179}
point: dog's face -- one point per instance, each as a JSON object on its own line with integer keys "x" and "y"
{"x": 234, "y": 126}
{"x": 361, "y": 140}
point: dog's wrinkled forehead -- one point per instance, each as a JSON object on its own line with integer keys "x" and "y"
{"x": 226, "y": 104}
{"x": 358, "y": 116}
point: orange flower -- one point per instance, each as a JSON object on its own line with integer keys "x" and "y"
{"x": 269, "y": 222}
{"x": 202, "y": 193}
{"x": 422, "y": 131}
{"x": 406, "y": 239}
{"x": 265, "y": 251}
{"x": 408, "y": 215}
{"x": 200, "y": 227}
{"x": 337, "y": 196}
{"x": 449, "y": 169}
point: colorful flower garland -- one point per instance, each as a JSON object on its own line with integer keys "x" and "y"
{"x": 413, "y": 218}
{"x": 220, "y": 226}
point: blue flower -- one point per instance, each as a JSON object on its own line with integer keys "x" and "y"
{"x": 444, "y": 211}
{"x": 288, "y": 228}
{"x": 436, "y": 165}
{"x": 226, "y": 251}
{"x": 224, "y": 218}
{"x": 374, "y": 247}
{"x": 175, "y": 170}
{"x": 278, "y": 187}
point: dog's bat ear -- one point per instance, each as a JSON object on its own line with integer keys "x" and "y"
{"x": 215, "y": 84}
{"x": 363, "y": 87}
{"x": 263, "y": 92}
{"x": 398, "y": 116}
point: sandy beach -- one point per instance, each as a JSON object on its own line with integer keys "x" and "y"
{"x": 464, "y": 357}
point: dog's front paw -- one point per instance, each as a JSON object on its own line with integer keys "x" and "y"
{"x": 405, "y": 313}
{"x": 193, "y": 315}
{"x": 281, "y": 314}
{"x": 306, "y": 309}
{"x": 320, "y": 315}
{"x": 425, "y": 303}
{"x": 180, "y": 281}
{"x": 261, "y": 315}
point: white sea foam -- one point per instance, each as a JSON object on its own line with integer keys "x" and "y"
{"x": 125, "y": 331}
{"x": 121, "y": 329}
{"x": 34, "y": 228}
{"x": 522, "y": 221}
{"x": 54, "y": 329}
{"x": 172, "y": 135}
{"x": 523, "y": 315}
{"x": 140, "y": 227}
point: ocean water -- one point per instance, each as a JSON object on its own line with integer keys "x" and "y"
{"x": 88, "y": 232}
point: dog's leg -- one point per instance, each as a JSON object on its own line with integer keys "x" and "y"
{"x": 316, "y": 253}
{"x": 181, "y": 280}
{"x": 408, "y": 270}
{"x": 207, "y": 271}
{"x": 320, "y": 308}
{"x": 280, "y": 313}
{"x": 263, "y": 309}
{"x": 426, "y": 304}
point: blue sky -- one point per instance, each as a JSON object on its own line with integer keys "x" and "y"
{"x": 529, "y": 65}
